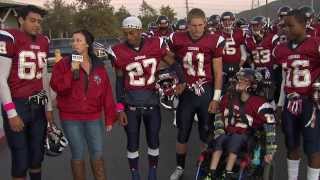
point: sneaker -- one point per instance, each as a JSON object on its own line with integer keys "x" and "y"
{"x": 152, "y": 173}
{"x": 176, "y": 175}
{"x": 135, "y": 175}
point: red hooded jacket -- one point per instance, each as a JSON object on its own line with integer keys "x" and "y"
{"x": 86, "y": 98}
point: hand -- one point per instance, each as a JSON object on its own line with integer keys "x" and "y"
{"x": 268, "y": 158}
{"x": 278, "y": 114}
{"x": 16, "y": 124}
{"x": 109, "y": 128}
{"x": 213, "y": 106}
{"x": 75, "y": 65}
{"x": 49, "y": 116}
{"x": 180, "y": 88}
{"x": 122, "y": 118}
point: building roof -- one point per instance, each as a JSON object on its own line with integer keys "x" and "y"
{"x": 10, "y": 3}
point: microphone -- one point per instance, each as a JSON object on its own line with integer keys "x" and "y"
{"x": 76, "y": 59}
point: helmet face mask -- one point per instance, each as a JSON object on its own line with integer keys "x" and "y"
{"x": 247, "y": 81}
{"x": 309, "y": 14}
{"x": 258, "y": 26}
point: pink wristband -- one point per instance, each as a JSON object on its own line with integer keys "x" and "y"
{"x": 120, "y": 107}
{"x": 9, "y": 106}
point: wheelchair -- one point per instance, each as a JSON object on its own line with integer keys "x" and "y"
{"x": 250, "y": 164}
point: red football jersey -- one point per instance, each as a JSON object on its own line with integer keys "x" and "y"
{"x": 140, "y": 65}
{"x": 232, "y": 52}
{"x": 29, "y": 56}
{"x": 301, "y": 64}
{"x": 262, "y": 52}
{"x": 197, "y": 55}
{"x": 317, "y": 27}
{"x": 256, "y": 111}
{"x": 163, "y": 34}
{"x": 312, "y": 31}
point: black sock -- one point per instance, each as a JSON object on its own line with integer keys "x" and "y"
{"x": 133, "y": 163}
{"x": 35, "y": 175}
{"x": 153, "y": 161}
{"x": 181, "y": 160}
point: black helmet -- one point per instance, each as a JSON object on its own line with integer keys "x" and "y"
{"x": 228, "y": 16}
{"x": 162, "y": 20}
{"x": 214, "y": 20}
{"x": 166, "y": 83}
{"x": 307, "y": 11}
{"x": 55, "y": 141}
{"x": 181, "y": 25}
{"x": 250, "y": 75}
{"x": 283, "y": 11}
{"x": 241, "y": 22}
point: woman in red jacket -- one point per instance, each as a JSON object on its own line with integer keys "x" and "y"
{"x": 83, "y": 92}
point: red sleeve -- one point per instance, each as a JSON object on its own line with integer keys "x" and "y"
{"x": 242, "y": 37}
{"x": 109, "y": 104}
{"x": 61, "y": 77}
{"x": 7, "y": 46}
{"x": 249, "y": 43}
{"x": 219, "y": 46}
{"x": 275, "y": 55}
{"x": 117, "y": 59}
{"x": 164, "y": 47}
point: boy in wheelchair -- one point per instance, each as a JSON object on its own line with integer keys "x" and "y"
{"x": 243, "y": 113}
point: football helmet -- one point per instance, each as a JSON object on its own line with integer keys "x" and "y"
{"x": 165, "y": 85}
{"x": 227, "y": 21}
{"x": 283, "y": 11}
{"x": 258, "y": 26}
{"x": 99, "y": 50}
{"x": 308, "y": 13}
{"x": 181, "y": 25}
{"x": 213, "y": 23}
{"x": 55, "y": 141}
{"x": 248, "y": 80}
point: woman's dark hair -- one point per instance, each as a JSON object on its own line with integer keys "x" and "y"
{"x": 89, "y": 40}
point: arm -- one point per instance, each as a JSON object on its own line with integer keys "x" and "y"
{"x": 109, "y": 104}
{"x": 61, "y": 79}
{"x": 5, "y": 94}
{"x": 217, "y": 71}
{"x": 243, "y": 55}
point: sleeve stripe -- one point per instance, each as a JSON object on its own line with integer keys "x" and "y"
{"x": 265, "y": 106}
{"x": 171, "y": 37}
{"x": 220, "y": 40}
{"x": 110, "y": 51}
{"x": 161, "y": 41}
{"x": 6, "y": 33}
{"x": 274, "y": 38}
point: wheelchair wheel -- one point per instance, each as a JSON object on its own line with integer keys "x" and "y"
{"x": 268, "y": 172}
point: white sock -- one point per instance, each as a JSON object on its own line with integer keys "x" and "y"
{"x": 293, "y": 169}
{"x": 312, "y": 174}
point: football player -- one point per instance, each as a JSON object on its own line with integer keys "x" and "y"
{"x": 164, "y": 29}
{"x": 309, "y": 15}
{"x": 24, "y": 89}
{"x": 243, "y": 113}
{"x": 214, "y": 25}
{"x": 234, "y": 54}
{"x": 300, "y": 60}
{"x": 200, "y": 53}
{"x": 137, "y": 60}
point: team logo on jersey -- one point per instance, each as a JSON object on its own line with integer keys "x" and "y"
{"x": 139, "y": 57}
{"x": 193, "y": 48}
{"x": 32, "y": 46}
{"x": 97, "y": 79}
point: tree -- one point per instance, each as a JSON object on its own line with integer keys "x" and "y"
{"x": 169, "y": 12}
{"x": 147, "y": 14}
{"x": 98, "y": 18}
{"x": 93, "y": 3}
{"x": 59, "y": 21}
{"x": 122, "y": 13}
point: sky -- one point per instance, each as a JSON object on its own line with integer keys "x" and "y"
{"x": 209, "y": 6}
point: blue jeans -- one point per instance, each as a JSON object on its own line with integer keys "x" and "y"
{"x": 80, "y": 133}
